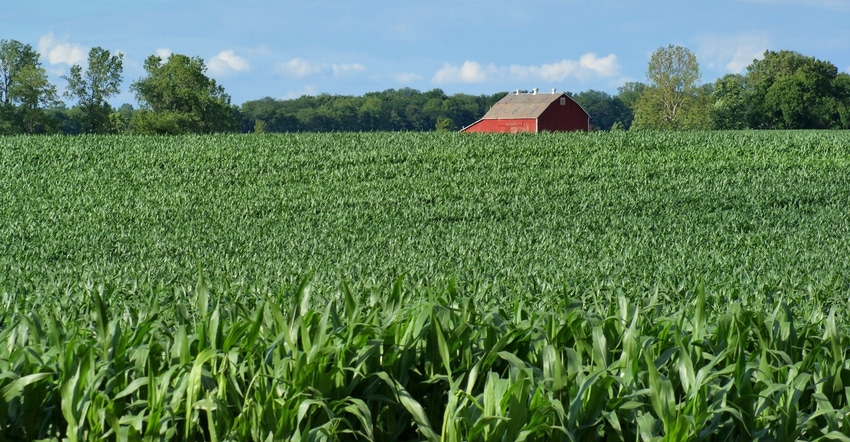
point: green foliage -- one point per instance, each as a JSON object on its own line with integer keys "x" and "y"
{"x": 605, "y": 111}
{"x": 66, "y": 120}
{"x": 178, "y": 98}
{"x": 621, "y": 285}
{"x": 259, "y": 126}
{"x": 14, "y": 58}
{"x": 841, "y": 94}
{"x": 120, "y": 121}
{"x": 784, "y": 90}
{"x": 390, "y": 110}
{"x": 443, "y": 124}
{"x": 630, "y": 92}
{"x": 101, "y": 80}
{"x": 672, "y": 100}
{"x": 159, "y": 208}
{"x": 24, "y": 90}
{"x": 730, "y": 103}
{"x": 206, "y": 362}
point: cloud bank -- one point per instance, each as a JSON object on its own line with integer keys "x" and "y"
{"x": 588, "y": 66}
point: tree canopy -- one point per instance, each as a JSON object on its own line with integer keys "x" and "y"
{"x": 390, "y": 110}
{"x": 605, "y": 110}
{"x": 92, "y": 88}
{"x": 177, "y": 97}
{"x": 25, "y": 90}
{"x": 787, "y": 90}
{"x": 673, "y": 98}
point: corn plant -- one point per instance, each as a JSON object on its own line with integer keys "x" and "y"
{"x": 625, "y": 286}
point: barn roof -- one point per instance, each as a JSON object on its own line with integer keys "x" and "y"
{"x": 521, "y": 106}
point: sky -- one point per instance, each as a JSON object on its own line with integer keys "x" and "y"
{"x": 286, "y": 49}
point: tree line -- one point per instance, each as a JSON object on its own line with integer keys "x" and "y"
{"x": 782, "y": 90}
{"x": 176, "y": 96}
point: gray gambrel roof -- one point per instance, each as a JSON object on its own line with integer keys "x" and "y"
{"x": 521, "y": 106}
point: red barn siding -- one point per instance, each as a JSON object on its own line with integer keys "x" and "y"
{"x": 562, "y": 118}
{"x": 506, "y": 126}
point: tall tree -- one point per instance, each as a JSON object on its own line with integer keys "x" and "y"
{"x": 24, "y": 89}
{"x": 673, "y": 92}
{"x": 14, "y": 57}
{"x": 178, "y": 97}
{"x": 787, "y": 90}
{"x": 92, "y": 88}
{"x": 34, "y": 93}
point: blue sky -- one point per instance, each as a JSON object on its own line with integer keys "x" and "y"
{"x": 285, "y": 49}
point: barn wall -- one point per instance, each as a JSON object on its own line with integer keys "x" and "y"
{"x": 567, "y": 117}
{"x": 508, "y": 126}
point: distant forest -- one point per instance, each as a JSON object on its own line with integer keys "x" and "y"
{"x": 391, "y": 110}
{"x": 782, "y": 90}
{"x": 401, "y": 110}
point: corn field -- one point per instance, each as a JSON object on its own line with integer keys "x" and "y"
{"x": 612, "y": 286}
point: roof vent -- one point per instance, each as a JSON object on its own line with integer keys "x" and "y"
{"x": 534, "y": 91}
{"x": 553, "y": 90}
{"x": 517, "y": 92}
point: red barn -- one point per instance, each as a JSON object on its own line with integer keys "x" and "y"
{"x": 534, "y": 112}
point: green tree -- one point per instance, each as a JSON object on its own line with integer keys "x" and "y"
{"x": 178, "y": 97}
{"x": 390, "y": 110}
{"x": 25, "y": 90}
{"x": 672, "y": 97}
{"x": 787, "y": 90}
{"x": 14, "y": 57}
{"x": 841, "y": 94}
{"x": 443, "y": 124}
{"x": 729, "y": 103}
{"x": 92, "y": 88}
{"x": 604, "y": 109}
{"x": 120, "y": 120}
{"x": 630, "y": 92}
{"x": 34, "y": 93}
{"x": 65, "y": 120}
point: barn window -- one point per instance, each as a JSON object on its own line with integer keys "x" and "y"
{"x": 563, "y": 101}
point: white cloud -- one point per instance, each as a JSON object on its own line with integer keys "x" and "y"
{"x": 587, "y": 66}
{"x": 342, "y": 69}
{"x": 469, "y": 72}
{"x": 591, "y": 65}
{"x": 163, "y": 53}
{"x": 61, "y": 51}
{"x": 731, "y": 52}
{"x": 553, "y": 71}
{"x": 227, "y": 62}
{"x": 300, "y": 68}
